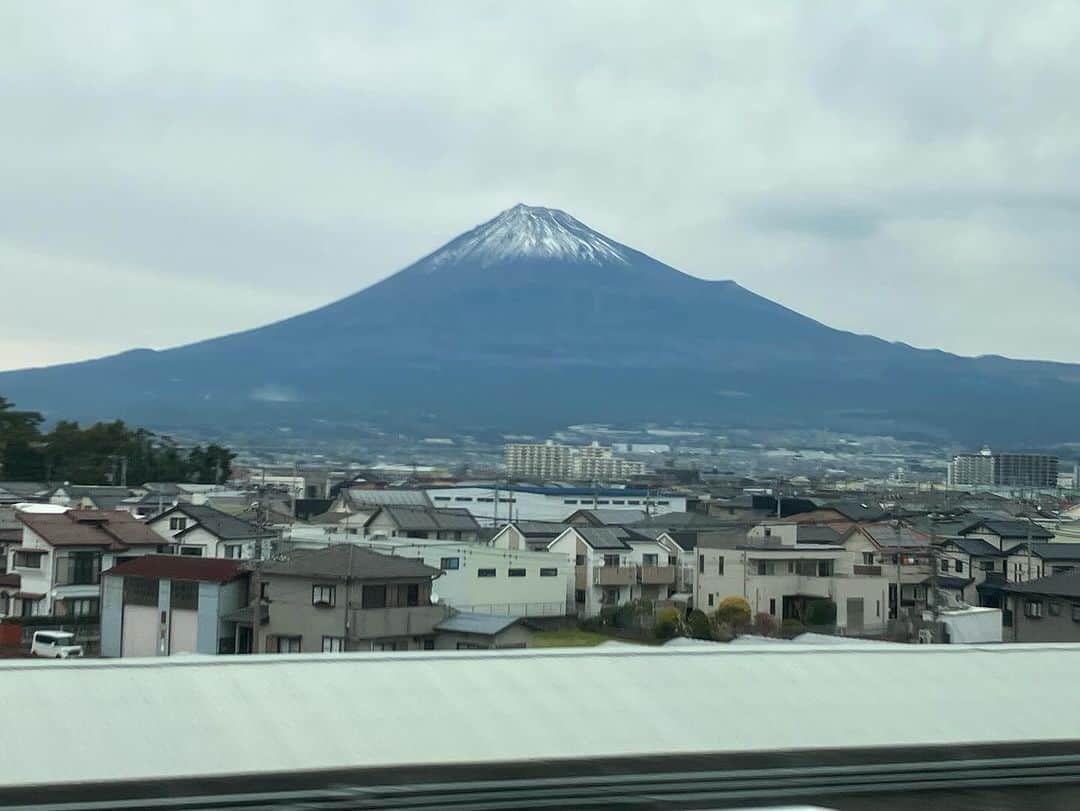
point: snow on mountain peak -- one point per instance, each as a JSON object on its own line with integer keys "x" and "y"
{"x": 531, "y": 232}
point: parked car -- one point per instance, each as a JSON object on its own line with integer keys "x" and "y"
{"x": 55, "y": 645}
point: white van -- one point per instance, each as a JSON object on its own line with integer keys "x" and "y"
{"x": 55, "y": 645}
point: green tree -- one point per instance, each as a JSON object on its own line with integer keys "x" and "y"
{"x": 734, "y": 612}
{"x": 21, "y": 456}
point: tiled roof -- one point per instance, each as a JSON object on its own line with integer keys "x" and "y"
{"x": 1049, "y": 551}
{"x": 428, "y": 520}
{"x": 220, "y": 524}
{"x": 1013, "y": 530}
{"x": 1056, "y": 585}
{"x": 343, "y": 560}
{"x": 113, "y": 529}
{"x": 179, "y": 567}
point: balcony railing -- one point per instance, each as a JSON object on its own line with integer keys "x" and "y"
{"x": 867, "y": 570}
{"x": 657, "y": 575}
{"x": 614, "y": 575}
{"x": 374, "y": 623}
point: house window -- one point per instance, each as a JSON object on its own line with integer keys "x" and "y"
{"x": 449, "y": 564}
{"x": 515, "y": 573}
{"x": 672, "y": 560}
{"x": 959, "y": 566}
{"x": 140, "y": 591}
{"x": 323, "y": 596}
{"x": 766, "y": 567}
{"x": 83, "y": 607}
{"x": 611, "y": 595}
{"x": 544, "y": 572}
{"x": 710, "y": 601}
{"x": 611, "y": 560}
{"x": 235, "y": 551}
{"x": 944, "y": 564}
{"x": 384, "y": 646}
{"x": 84, "y": 569}
{"x": 579, "y": 596}
{"x": 485, "y": 572}
{"x": 650, "y": 560}
{"x": 868, "y": 558}
{"x": 373, "y": 597}
{"x": 987, "y": 565}
{"x": 1055, "y": 608}
{"x": 878, "y": 610}
{"x": 772, "y": 606}
{"x": 720, "y": 565}
{"x": 429, "y": 644}
{"x": 264, "y": 590}
{"x": 28, "y": 560}
{"x": 579, "y": 560}
{"x": 824, "y": 568}
{"x": 701, "y": 564}
{"x": 288, "y": 644}
{"x": 1076, "y": 612}
{"x": 1061, "y": 569}
{"x": 569, "y": 501}
{"x": 184, "y": 595}
{"x": 192, "y": 551}
{"x": 177, "y": 523}
{"x": 333, "y": 644}
{"x": 1033, "y": 608}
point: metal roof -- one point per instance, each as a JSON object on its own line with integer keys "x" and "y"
{"x": 428, "y": 519}
{"x": 485, "y": 707}
{"x": 220, "y": 524}
{"x": 467, "y": 622}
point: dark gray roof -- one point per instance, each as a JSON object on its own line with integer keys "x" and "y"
{"x": 687, "y": 520}
{"x": 946, "y": 582}
{"x": 976, "y": 546}
{"x": 1013, "y": 530}
{"x": 465, "y": 622}
{"x": 359, "y": 497}
{"x": 428, "y": 519}
{"x": 219, "y": 524}
{"x": 1050, "y": 551}
{"x": 540, "y": 529}
{"x": 607, "y": 517}
{"x": 343, "y": 560}
{"x": 889, "y": 536}
{"x": 729, "y": 536}
{"x": 856, "y": 510}
{"x": 603, "y": 537}
{"x": 1056, "y": 585}
{"x": 816, "y": 533}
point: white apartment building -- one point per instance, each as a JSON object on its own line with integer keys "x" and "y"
{"x": 554, "y": 462}
{"x": 616, "y": 565}
{"x": 475, "y": 577}
{"x": 494, "y": 505}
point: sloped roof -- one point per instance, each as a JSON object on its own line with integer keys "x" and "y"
{"x": 1050, "y": 551}
{"x": 856, "y": 510}
{"x": 179, "y": 567}
{"x": 606, "y": 517}
{"x": 816, "y": 533}
{"x": 380, "y": 498}
{"x": 1056, "y": 585}
{"x": 113, "y": 529}
{"x": 540, "y": 529}
{"x": 343, "y": 560}
{"x": 220, "y": 524}
{"x": 686, "y": 520}
{"x": 466, "y": 622}
{"x": 429, "y": 519}
{"x": 1009, "y": 529}
{"x": 889, "y": 536}
{"x": 602, "y": 538}
{"x": 976, "y": 546}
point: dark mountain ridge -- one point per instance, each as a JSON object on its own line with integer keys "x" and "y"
{"x": 532, "y": 321}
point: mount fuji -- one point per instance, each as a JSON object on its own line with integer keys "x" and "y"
{"x": 531, "y": 321}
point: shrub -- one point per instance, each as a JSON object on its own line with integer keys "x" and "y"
{"x": 667, "y": 624}
{"x": 764, "y": 624}
{"x": 733, "y": 612}
{"x": 608, "y": 614}
{"x": 699, "y": 626}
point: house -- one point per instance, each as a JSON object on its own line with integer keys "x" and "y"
{"x": 469, "y": 631}
{"x": 343, "y": 598}
{"x": 61, "y": 556}
{"x": 617, "y": 565}
{"x": 978, "y": 560}
{"x": 1006, "y": 533}
{"x": 420, "y": 522}
{"x": 203, "y": 531}
{"x": 16, "y": 492}
{"x": 162, "y": 605}
{"x": 475, "y": 577}
{"x": 904, "y": 556}
{"x": 1044, "y": 559}
{"x": 1043, "y": 610}
{"x": 352, "y": 506}
{"x": 781, "y": 577}
{"x": 535, "y": 535}
{"x": 90, "y": 497}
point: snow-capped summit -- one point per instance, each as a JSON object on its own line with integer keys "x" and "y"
{"x": 530, "y": 232}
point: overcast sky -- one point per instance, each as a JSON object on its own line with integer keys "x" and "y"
{"x": 907, "y": 170}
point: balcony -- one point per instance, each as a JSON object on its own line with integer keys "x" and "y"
{"x": 374, "y": 623}
{"x": 614, "y": 575}
{"x": 657, "y": 575}
{"x": 866, "y": 570}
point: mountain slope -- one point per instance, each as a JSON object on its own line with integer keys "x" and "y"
{"x": 532, "y": 320}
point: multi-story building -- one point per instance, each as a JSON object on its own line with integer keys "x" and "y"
{"x": 344, "y": 598}
{"x": 617, "y": 565}
{"x": 989, "y": 469}
{"x": 554, "y": 462}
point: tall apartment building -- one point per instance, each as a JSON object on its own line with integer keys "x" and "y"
{"x": 551, "y": 461}
{"x": 989, "y": 469}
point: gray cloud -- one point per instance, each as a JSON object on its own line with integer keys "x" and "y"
{"x": 170, "y": 173}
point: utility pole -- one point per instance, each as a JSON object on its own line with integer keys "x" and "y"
{"x": 933, "y": 579}
{"x": 1029, "y": 549}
